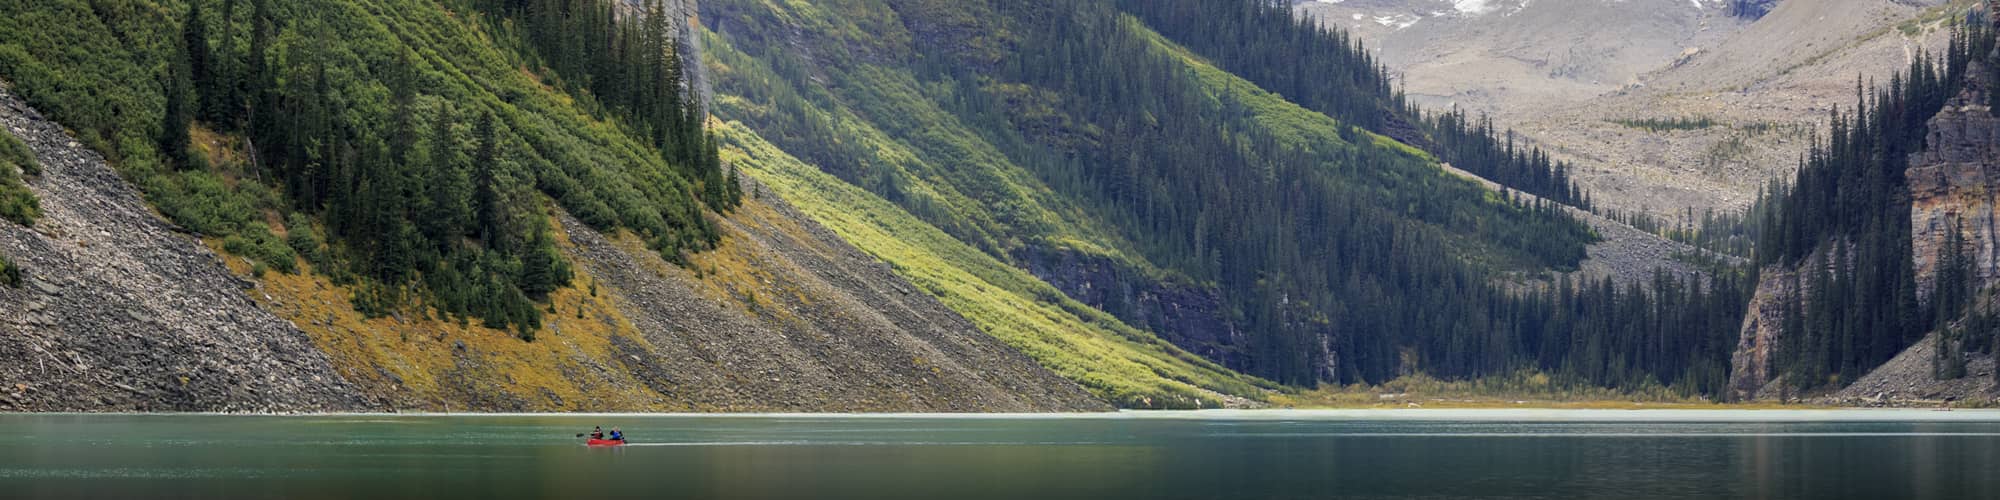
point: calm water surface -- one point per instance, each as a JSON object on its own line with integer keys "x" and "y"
{"x": 1266, "y": 454}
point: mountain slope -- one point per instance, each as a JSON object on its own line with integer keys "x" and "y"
{"x": 1132, "y": 368}
{"x": 117, "y": 311}
{"x": 665, "y": 304}
{"x": 1290, "y": 240}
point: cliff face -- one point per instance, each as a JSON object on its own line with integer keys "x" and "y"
{"x": 1750, "y": 367}
{"x": 688, "y": 35}
{"x": 1955, "y": 181}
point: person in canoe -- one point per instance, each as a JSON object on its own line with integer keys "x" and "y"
{"x": 616, "y": 435}
{"x": 597, "y": 432}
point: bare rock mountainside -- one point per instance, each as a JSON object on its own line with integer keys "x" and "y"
{"x": 1592, "y": 80}
{"x": 120, "y": 310}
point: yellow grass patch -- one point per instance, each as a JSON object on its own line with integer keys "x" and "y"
{"x": 414, "y": 361}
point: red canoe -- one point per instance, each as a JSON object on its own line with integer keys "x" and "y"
{"x": 605, "y": 442}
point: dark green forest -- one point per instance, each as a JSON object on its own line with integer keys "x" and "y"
{"x": 392, "y": 149}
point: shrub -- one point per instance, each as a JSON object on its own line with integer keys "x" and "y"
{"x": 10, "y": 274}
{"x": 257, "y": 243}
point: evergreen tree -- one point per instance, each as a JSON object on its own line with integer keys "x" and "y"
{"x": 173, "y": 138}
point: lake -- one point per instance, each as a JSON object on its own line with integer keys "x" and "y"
{"x": 1215, "y": 454}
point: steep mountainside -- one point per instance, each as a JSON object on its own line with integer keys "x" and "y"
{"x": 945, "y": 205}
{"x": 745, "y": 306}
{"x": 116, "y": 310}
{"x": 1135, "y": 155}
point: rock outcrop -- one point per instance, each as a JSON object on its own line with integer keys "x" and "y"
{"x": 1188, "y": 315}
{"x": 1955, "y": 181}
{"x": 1750, "y": 366}
{"x": 121, "y": 312}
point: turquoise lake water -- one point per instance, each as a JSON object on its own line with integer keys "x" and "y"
{"x": 1244, "y": 454}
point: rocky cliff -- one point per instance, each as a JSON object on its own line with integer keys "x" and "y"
{"x": 1750, "y": 373}
{"x": 1955, "y": 180}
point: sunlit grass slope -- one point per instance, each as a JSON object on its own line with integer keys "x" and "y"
{"x": 1130, "y": 367}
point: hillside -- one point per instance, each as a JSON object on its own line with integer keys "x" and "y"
{"x": 737, "y": 205}
{"x": 1021, "y": 130}
{"x": 623, "y": 275}
{"x": 115, "y": 310}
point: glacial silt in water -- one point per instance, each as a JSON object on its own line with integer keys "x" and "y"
{"x": 1265, "y": 454}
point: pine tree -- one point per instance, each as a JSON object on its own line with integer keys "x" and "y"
{"x": 179, "y": 115}
{"x": 540, "y": 268}
{"x": 194, "y": 40}
{"x": 448, "y": 189}
{"x": 486, "y": 201}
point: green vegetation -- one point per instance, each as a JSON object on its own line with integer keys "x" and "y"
{"x": 1666, "y": 124}
{"x": 1843, "y": 222}
{"x": 1341, "y": 253}
{"x": 1128, "y": 367}
{"x": 10, "y": 274}
{"x": 1161, "y": 163}
{"x": 413, "y": 140}
{"x": 1521, "y": 389}
{"x": 17, "y": 203}
{"x": 1327, "y": 71}
{"x": 1725, "y": 233}
{"x": 1948, "y": 15}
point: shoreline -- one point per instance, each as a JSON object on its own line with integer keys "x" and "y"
{"x": 1682, "y": 413}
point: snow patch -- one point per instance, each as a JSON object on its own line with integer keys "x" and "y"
{"x": 1473, "y": 7}
{"x": 1397, "y": 21}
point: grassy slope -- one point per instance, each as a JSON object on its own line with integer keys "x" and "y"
{"x": 1130, "y": 367}
{"x": 965, "y": 184}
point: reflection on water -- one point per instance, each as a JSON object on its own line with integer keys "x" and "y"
{"x": 1540, "y": 454}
